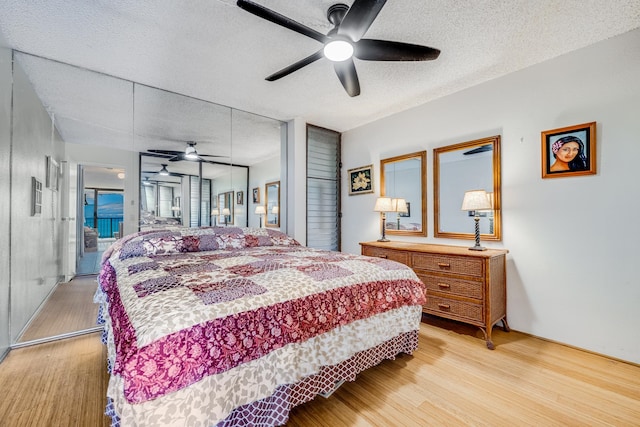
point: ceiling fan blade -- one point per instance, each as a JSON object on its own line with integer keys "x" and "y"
{"x": 160, "y": 155}
{"x": 359, "y": 18}
{"x": 384, "y": 50}
{"x": 346, "y": 71}
{"x": 281, "y": 20}
{"x": 295, "y": 66}
{"x": 209, "y": 155}
{"x": 167, "y": 152}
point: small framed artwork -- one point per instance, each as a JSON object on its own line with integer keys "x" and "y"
{"x": 53, "y": 170}
{"x": 36, "y": 196}
{"x": 361, "y": 180}
{"x": 256, "y": 195}
{"x": 240, "y": 198}
{"x": 407, "y": 213}
{"x": 569, "y": 151}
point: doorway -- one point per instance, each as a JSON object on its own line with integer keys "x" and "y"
{"x": 102, "y": 211}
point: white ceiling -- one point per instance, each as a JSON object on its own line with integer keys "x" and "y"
{"x": 214, "y": 51}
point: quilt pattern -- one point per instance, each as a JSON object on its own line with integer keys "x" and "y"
{"x": 188, "y": 304}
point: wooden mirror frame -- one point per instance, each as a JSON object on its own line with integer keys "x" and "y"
{"x": 422, "y": 155}
{"x": 497, "y": 190}
{"x": 269, "y": 188}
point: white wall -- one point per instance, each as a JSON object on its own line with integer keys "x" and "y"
{"x": 36, "y": 257}
{"x": 574, "y": 241}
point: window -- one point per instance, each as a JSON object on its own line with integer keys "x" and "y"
{"x": 323, "y": 188}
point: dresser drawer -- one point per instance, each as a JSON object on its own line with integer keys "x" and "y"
{"x": 450, "y": 285}
{"x": 451, "y": 264}
{"x": 451, "y": 308}
{"x": 399, "y": 256}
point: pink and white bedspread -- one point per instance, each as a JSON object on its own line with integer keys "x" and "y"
{"x": 204, "y": 323}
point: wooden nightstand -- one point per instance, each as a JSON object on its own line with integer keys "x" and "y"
{"x": 463, "y": 285}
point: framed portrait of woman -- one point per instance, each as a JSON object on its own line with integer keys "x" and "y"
{"x": 569, "y": 151}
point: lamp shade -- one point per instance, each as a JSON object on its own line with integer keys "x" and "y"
{"x": 260, "y": 210}
{"x": 215, "y": 212}
{"x": 226, "y": 211}
{"x": 401, "y": 206}
{"x": 384, "y": 204}
{"x": 475, "y": 200}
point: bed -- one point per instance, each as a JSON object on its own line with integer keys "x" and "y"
{"x": 222, "y": 326}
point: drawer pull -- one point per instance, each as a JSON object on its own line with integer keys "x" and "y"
{"x": 382, "y": 256}
{"x": 443, "y": 306}
{"x": 444, "y": 285}
{"x": 444, "y": 265}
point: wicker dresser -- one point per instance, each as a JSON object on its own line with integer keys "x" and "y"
{"x": 464, "y": 285}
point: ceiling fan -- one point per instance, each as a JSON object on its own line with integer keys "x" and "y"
{"x": 162, "y": 172}
{"x": 345, "y": 40}
{"x": 190, "y": 153}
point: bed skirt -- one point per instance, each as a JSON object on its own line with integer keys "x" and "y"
{"x": 274, "y": 410}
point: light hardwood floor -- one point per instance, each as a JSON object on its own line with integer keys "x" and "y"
{"x": 451, "y": 380}
{"x": 70, "y": 308}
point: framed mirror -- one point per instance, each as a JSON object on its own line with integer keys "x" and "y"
{"x": 225, "y": 201}
{"x": 272, "y": 192}
{"x": 405, "y": 178}
{"x": 472, "y": 165}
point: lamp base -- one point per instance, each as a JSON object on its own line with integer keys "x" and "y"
{"x": 477, "y": 248}
{"x": 384, "y": 239}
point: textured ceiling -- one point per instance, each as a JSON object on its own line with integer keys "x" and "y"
{"x": 214, "y": 51}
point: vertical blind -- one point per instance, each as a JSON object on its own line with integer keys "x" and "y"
{"x": 323, "y": 189}
{"x": 205, "y": 203}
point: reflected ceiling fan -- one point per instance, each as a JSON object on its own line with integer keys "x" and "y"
{"x": 345, "y": 40}
{"x": 190, "y": 153}
{"x": 163, "y": 172}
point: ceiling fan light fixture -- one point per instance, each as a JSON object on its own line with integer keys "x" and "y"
{"x": 191, "y": 153}
{"x": 338, "y": 50}
{"x": 164, "y": 171}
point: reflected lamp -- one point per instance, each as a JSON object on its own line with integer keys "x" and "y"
{"x": 214, "y": 213}
{"x": 226, "y": 212}
{"x": 260, "y": 211}
{"x": 400, "y": 207}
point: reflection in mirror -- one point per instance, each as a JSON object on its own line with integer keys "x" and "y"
{"x": 472, "y": 165}
{"x": 404, "y": 177}
{"x": 225, "y": 208}
{"x": 124, "y": 115}
{"x": 272, "y": 191}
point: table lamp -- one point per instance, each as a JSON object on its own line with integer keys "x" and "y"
{"x": 383, "y": 205}
{"x": 476, "y": 200}
{"x": 260, "y": 210}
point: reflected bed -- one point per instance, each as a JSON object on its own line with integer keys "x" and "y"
{"x": 236, "y": 326}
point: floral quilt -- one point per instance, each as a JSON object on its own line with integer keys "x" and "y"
{"x": 226, "y": 308}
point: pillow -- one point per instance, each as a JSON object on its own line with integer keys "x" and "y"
{"x": 202, "y": 239}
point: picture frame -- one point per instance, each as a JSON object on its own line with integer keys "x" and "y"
{"x": 53, "y": 170}
{"x": 569, "y": 151}
{"x": 240, "y": 198}
{"x": 360, "y": 180}
{"x": 36, "y": 196}
{"x": 256, "y": 195}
